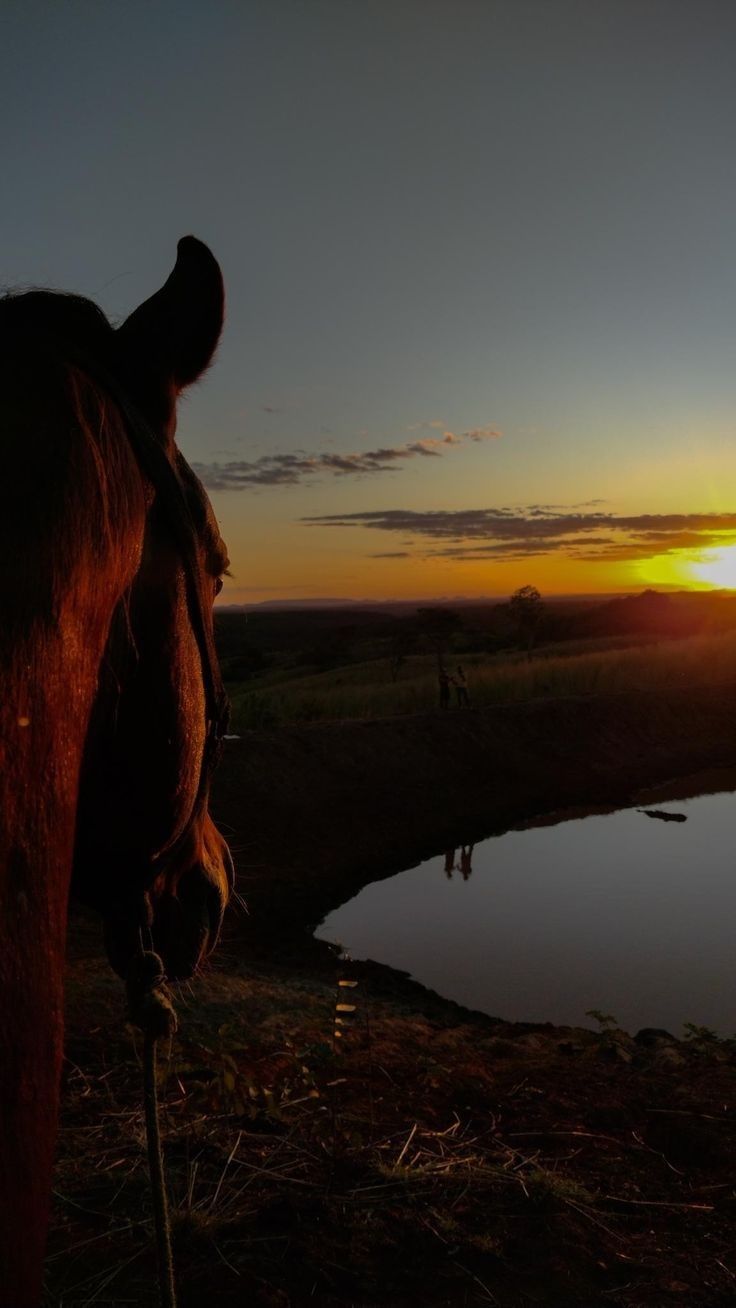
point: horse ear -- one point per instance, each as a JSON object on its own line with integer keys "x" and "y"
{"x": 173, "y": 335}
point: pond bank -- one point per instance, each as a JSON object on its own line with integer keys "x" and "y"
{"x": 315, "y": 811}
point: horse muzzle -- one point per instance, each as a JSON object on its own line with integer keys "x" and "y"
{"x": 183, "y": 911}
{"x": 186, "y": 924}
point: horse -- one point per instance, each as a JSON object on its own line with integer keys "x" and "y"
{"x": 111, "y": 702}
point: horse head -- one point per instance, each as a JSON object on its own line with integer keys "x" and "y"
{"x": 147, "y": 852}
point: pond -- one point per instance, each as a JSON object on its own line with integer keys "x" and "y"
{"x": 625, "y": 913}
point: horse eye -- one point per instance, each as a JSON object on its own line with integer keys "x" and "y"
{"x": 218, "y": 585}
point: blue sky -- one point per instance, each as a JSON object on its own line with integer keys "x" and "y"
{"x": 507, "y": 215}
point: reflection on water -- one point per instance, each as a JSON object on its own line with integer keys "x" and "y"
{"x": 614, "y": 912}
{"x": 463, "y": 866}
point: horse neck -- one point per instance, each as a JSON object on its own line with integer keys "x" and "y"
{"x": 58, "y": 607}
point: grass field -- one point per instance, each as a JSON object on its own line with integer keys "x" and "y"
{"x": 365, "y": 690}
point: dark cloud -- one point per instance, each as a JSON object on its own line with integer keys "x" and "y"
{"x": 518, "y": 548}
{"x": 291, "y": 469}
{"x": 507, "y": 534}
{"x": 397, "y": 554}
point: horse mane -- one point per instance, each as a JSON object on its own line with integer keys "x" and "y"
{"x": 72, "y": 517}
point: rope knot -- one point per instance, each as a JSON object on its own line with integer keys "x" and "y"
{"x": 149, "y": 1003}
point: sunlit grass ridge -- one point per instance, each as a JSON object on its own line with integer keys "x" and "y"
{"x": 365, "y": 690}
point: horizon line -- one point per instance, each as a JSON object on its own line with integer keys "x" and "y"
{"x": 331, "y": 601}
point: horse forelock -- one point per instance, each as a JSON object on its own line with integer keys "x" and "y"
{"x": 57, "y": 317}
{"x": 58, "y": 330}
{"x": 72, "y": 485}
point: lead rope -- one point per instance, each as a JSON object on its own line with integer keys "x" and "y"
{"x": 151, "y": 1010}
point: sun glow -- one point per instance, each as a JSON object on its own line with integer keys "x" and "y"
{"x": 717, "y": 568}
{"x": 679, "y": 569}
{"x": 673, "y": 570}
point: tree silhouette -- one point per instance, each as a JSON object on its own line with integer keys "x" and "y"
{"x": 526, "y": 610}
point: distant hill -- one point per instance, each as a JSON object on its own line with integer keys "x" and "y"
{"x": 456, "y": 601}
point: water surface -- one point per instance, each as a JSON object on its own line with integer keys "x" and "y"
{"x": 621, "y": 912}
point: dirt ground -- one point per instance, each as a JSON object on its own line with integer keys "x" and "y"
{"x": 337, "y": 1135}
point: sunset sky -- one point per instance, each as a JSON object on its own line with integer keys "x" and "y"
{"x": 480, "y": 258}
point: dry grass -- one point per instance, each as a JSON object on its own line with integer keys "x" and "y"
{"x": 405, "y": 1162}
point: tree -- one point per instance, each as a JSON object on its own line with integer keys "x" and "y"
{"x": 526, "y": 610}
{"x": 438, "y": 626}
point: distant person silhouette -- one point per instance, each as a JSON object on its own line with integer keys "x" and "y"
{"x": 460, "y": 682}
{"x": 444, "y": 688}
{"x": 449, "y": 864}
